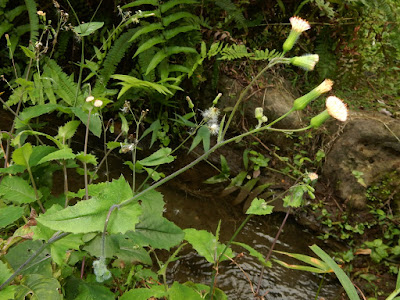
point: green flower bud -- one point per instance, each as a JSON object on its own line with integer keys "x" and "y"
{"x": 318, "y": 120}
{"x": 306, "y": 62}
{"x": 259, "y": 113}
{"x": 298, "y": 26}
{"x": 215, "y": 102}
{"x": 303, "y": 101}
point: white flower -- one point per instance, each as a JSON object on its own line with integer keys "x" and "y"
{"x": 213, "y": 128}
{"x": 98, "y": 103}
{"x": 336, "y": 108}
{"x": 299, "y": 25}
{"x": 211, "y": 114}
{"x": 89, "y": 99}
{"x": 312, "y": 176}
{"x": 325, "y": 86}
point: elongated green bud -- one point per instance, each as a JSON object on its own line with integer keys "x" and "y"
{"x": 303, "y": 101}
{"x": 215, "y": 102}
{"x": 318, "y": 120}
{"x": 306, "y": 62}
{"x": 298, "y": 26}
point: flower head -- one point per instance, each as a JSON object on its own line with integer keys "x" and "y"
{"x": 211, "y": 114}
{"x": 41, "y": 13}
{"x": 306, "y": 62}
{"x": 299, "y": 25}
{"x": 98, "y": 103}
{"x": 312, "y": 176}
{"x": 325, "y": 86}
{"x": 89, "y": 99}
{"x": 336, "y": 108}
{"x": 213, "y": 128}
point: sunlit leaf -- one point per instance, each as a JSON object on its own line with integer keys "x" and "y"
{"x": 156, "y": 291}
{"x": 259, "y": 207}
{"x": 10, "y": 214}
{"x": 68, "y": 130}
{"x": 88, "y": 28}
{"x": 182, "y": 292}
{"x": 17, "y": 190}
{"x": 161, "y": 156}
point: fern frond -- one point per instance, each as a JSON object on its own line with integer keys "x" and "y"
{"x": 144, "y": 60}
{"x": 140, "y": 2}
{"x": 215, "y": 49}
{"x": 5, "y": 27}
{"x": 178, "y": 16}
{"x": 172, "y": 3}
{"x": 33, "y": 20}
{"x": 13, "y": 13}
{"x": 265, "y": 54}
{"x": 166, "y": 52}
{"x": 129, "y": 82}
{"x": 234, "y": 51}
{"x": 179, "y": 68}
{"x": 169, "y": 34}
{"x": 232, "y": 11}
{"x": 149, "y": 43}
{"x": 146, "y": 29}
{"x": 63, "y": 85}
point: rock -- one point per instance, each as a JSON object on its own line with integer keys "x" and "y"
{"x": 366, "y": 143}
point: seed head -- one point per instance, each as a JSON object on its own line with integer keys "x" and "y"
{"x": 336, "y": 108}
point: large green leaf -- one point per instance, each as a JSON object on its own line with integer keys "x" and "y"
{"x": 206, "y": 245}
{"x": 161, "y": 156}
{"x": 95, "y": 126}
{"x": 38, "y": 287}
{"x": 65, "y": 153}
{"x": 88, "y": 28}
{"x": 68, "y": 130}
{"x": 38, "y": 152}
{"x": 259, "y": 207}
{"x": 203, "y": 134}
{"x": 90, "y": 215}
{"x": 156, "y": 291}
{"x": 149, "y": 43}
{"x": 182, "y": 292}
{"x": 5, "y": 272}
{"x": 22, "y": 154}
{"x": 10, "y": 214}
{"x": 33, "y": 112}
{"x": 78, "y": 289}
{"x": 17, "y": 190}
{"x": 146, "y": 29}
{"x": 341, "y": 275}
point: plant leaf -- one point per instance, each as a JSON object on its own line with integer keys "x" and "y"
{"x": 253, "y": 252}
{"x": 17, "y": 190}
{"x": 95, "y": 121}
{"x": 87, "y": 28}
{"x": 182, "y": 292}
{"x": 65, "y": 153}
{"x": 21, "y": 155}
{"x": 38, "y": 287}
{"x": 259, "y": 207}
{"x": 156, "y": 291}
{"x": 161, "y": 156}
{"x": 9, "y": 215}
{"x": 68, "y": 130}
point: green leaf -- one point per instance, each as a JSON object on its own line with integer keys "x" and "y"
{"x": 63, "y": 154}
{"x": 34, "y": 112}
{"x": 95, "y": 126}
{"x": 202, "y": 289}
{"x": 146, "y": 29}
{"x": 5, "y": 272}
{"x": 169, "y": 34}
{"x": 8, "y": 292}
{"x": 129, "y": 82}
{"x": 206, "y": 244}
{"x": 90, "y": 215}
{"x": 38, "y": 152}
{"x": 9, "y": 215}
{"x": 154, "y": 128}
{"x": 177, "y": 16}
{"x": 38, "y": 287}
{"x": 113, "y": 145}
{"x": 21, "y": 155}
{"x": 259, "y": 207}
{"x": 318, "y": 265}
{"x": 140, "y": 2}
{"x": 87, "y": 28}
{"x": 182, "y": 292}
{"x": 253, "y": 252}
{"x": 149, "y": 43}
{"x": 124, "y": 124}
{"x": 295, "y": 197}
{"x": 14, "y": 169}
{"x": 87, "y": 158}
{"x": 68, "y": 130}
{"x": 341, "y": 275}
{"x": 156, "y": 291}
{"x": 161, "y": 156}
{"x": 18, "y": 254}
{"x": 29, "y": 53}
{"x": 172, "y": 3}
{"x": 17, "y": 190}
{"x": 203, "y": 134}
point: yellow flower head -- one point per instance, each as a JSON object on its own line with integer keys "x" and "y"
{"x": 336, "y": 108}
{"x": 299, "y": 25}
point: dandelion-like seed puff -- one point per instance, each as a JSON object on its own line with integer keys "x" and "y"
{"x": 336, "y": 108}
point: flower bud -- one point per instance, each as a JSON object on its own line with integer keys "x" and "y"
{"x": 303, "y": 101}
{"x": 191, "y": 105}
{"x": 306, "y": 62}
{"x": 89, "y": 99}
{"x": 298, "y": 26}
{"x": 318, "y": 120}
{"x": 215, "y": 102}
{"x": 259, "y": 113}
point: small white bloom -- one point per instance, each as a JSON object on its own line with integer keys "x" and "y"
{"x": 299, "y": 25}
{"x": 211, "y": 114}
{"x": 312, "y": 176}
{"x": 213, "y": 128}
{"x": 89, "y": 99}
{"x": 98, "y": 103}
{"x": 336, "y": 108}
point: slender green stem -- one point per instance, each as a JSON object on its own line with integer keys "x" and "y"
{"x": 55, "y": 238}
{"x": 84, "y": 153}
{"x": 214, "y": 274}
{"x": 35, "y": 188}
{"x": 271, "y": 63}
{"x": 103, "y": 236}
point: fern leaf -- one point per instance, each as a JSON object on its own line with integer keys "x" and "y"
{"x": 144, "y": 60}
{"x": 215, "y": 49}
{"x": 13, "y": 13}
{"x": 33, "y": 20}
{"x": 4, "y": 27}
{"x": 114, "y": 56}
{"x": 169, "y": 34}
{"x": 265, "y": 54}
{"x": 64, "y": 86}
{"x": 149, "y": 43}
{"x": 179, "y": 68}
{"x": 172, "y": 3}
{"x": 140, "y": 2}
{"x": 166, "y": 52}
{"x": 232, "y": 11}
{"x": 146, "y": 29}
{"x": 234, "y": 52}
{"x": 129, "y": 82}
{"x": 178, "y": 16}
